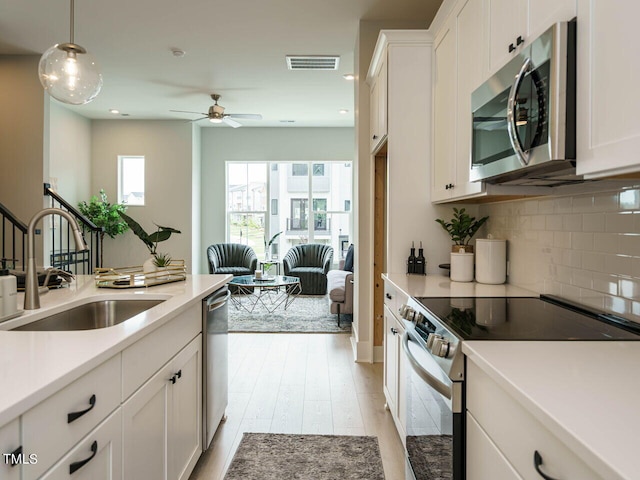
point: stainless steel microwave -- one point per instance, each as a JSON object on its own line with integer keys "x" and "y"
{"x": 524, "y": 116}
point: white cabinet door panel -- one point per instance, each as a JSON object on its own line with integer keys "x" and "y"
{"x": 9, "y": 443}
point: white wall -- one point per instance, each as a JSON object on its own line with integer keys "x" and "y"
{"x": 70, "y": 154}
{"x": 168, "y": 149}
{"x": 221, "y": 144}
{"x": 582, "y": 247}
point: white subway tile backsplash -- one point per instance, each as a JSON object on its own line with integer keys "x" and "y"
{"x": 582, "y": 203}
{"x": 593, "y": 222}
{"x": 621, "y": 222}
{"x": 605, "y": 202}
{"x": 582, "y": 241}
{"x": 572, "y": 223}
{"x": 630, "y": 199}
{"x": 606, "y": 242}
{"x": 630, "y": 244}
{"x": 554, "y": 222}
{"x": 585, "y": 247}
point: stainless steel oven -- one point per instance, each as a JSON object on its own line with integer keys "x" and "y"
{"x": 524, "y": 115}
{"x": 435, "y": 329}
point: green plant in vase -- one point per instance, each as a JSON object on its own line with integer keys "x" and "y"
{"x": 106, "y": 215}
{"x": 462, "y": 228}
{"x": 151, "y": 240}
{"x": 267, "y": 248}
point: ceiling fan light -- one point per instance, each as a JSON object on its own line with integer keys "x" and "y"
{"x": 215, "y": 120}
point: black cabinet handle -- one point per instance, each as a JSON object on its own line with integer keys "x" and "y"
{"x": 537, "y": 461}
{"x": 179, "y": 374}
{"x": 173, "y": 380}
{"x": 519, "y": 40}
{"x": 388, "y": 296}
{"x": 512, "y": 47}
{"x": 14, "y": 456}
{"x": 76, "y": 415}
{"x": 75, "y": 466}
{"x": 394, "y": 331}
{"x": 374, "y": 137}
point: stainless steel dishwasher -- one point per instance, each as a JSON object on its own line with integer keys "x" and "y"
{"x": 215, "y": 351}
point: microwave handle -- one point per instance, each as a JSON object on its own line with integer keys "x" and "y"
{"x": 432, "y": 381}
{"x": 511, "y": 110}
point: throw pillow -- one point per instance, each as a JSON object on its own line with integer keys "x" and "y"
{"x": 348, "y": 261}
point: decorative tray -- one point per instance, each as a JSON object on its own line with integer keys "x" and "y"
{"x": 265, "y": 278}
{"x": 135, "y": 277}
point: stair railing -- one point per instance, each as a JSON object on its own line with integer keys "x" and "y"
{"x": 14, "y": 240}
{"x": 63, "y": 254}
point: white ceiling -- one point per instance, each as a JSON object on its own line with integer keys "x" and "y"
{"x": 235, "y": 48}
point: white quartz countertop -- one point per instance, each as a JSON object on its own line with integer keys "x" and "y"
{"x": 34, "y": 365}
{"x": 585, "y": 393}
{"x": 442, "y": 286}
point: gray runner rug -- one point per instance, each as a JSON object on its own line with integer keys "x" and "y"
{"x": 266, "y": 456}
{"x": 306, "y": 314}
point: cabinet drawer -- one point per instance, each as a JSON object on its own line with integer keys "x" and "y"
{"x": 103, "y": 464}
{"x": 9, "y": 442}
{"x": 52, "y": 427}
{"x": 517, "y": 434}
{"x": 145, "y": 357}
{"x": 484, "y": 460}
{"x": 390, "y": 298}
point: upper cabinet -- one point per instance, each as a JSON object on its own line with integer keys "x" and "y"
{"x": 457, "y": 71}
{"x": 378, "y": 106}
{"x": 512, "y": 24}
{"x": 608, "y": 138}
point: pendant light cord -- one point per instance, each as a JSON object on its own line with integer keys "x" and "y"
{"x": 71, "y": 21}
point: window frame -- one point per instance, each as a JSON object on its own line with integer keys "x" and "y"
{"x": 121, "y": 180}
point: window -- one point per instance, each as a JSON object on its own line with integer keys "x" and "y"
{"x": 318, "y": 169}
{"x": 299, "y": 170}
{"x": 131, "y": 180}
{"x": 303, "y": 202}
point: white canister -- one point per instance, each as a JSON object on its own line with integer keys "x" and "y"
{"x": 8, "y": 294}
{"x": 462, "y": 267}
{"x": 491, "y": 261}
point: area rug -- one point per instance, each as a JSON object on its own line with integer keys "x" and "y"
{"x": 263, "y": 456}
{"x": 307, "y": 314}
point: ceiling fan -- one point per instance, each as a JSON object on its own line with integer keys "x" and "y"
{"x": 216, "y": 114}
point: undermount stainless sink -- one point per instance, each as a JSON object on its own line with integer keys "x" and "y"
{"x": 90, "y": 316}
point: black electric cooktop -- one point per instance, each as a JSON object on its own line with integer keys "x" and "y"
{"x": 520, "y": 318}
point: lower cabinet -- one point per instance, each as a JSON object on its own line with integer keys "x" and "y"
{"x": 393, "y": 371}
{"x": 10, "y": 443}
{"x": 508, "y": 433}
{"x": 97, "y": 457}
{"x": 162, "y": 420}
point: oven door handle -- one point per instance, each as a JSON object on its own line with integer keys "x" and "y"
{"x": 523, "y": 156}
{"x": 432, "y": 381}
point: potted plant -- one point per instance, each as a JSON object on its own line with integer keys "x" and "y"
{"x": 267, "y": 245}
{"x": 151, "y": 242}
{"x": 106, "y": 215}
{"x": 461, "y": 229}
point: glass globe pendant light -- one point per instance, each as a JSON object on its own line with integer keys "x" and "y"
{"x": 68, "y": 73}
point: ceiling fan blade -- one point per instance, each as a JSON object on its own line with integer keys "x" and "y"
{"x": 184, "y": 111}
{"x": 248, "y": 116}
{"x": 198, "y": 119}
{"x": 231, "y": 123}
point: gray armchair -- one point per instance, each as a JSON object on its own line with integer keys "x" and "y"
{"x": 232, "y": 258}
{"x": 310, "y": 263}
{"x": 340, "y": 286}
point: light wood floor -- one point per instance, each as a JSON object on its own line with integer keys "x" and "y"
{"x": 301, "y": 383}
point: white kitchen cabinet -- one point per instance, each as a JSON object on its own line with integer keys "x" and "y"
{"x": 484, "y": 459}
{"x": 10, "y": 443}
{"x": 608, "y": 135}
{"x": 516, "y": 433}
{"x": 97, "y": 457}
{"x": 69, "y": 415}
{"x": 162, "y": 422}
{"x": 378, "y": 107}
{"x": 458, "y": 70}
{"x": 512, "y": 24}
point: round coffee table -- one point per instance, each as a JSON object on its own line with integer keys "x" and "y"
{"x": 269, "y": 292}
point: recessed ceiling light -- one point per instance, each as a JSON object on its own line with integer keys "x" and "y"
{"x": 114, "y": 111}
{"x": 344, "y": 111}
{"x": 348, "y": 76}
{"x": 287, "y": 121}
{"x": 177, "y": 52}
